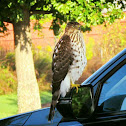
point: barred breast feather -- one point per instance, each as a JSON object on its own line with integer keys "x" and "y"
{"x": 79, "y": 56}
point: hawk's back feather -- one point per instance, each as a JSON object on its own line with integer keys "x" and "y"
{"x": 62, "y": 59}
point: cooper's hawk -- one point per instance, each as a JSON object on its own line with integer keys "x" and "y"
{"x": 69, "y": 60}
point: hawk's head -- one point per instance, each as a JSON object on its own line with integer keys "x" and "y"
{"x": 73, "y": 26}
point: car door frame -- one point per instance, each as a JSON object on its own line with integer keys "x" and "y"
{"x": 106, "y": 117}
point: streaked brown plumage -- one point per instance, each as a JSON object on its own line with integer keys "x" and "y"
{"x": 68, "y": 63}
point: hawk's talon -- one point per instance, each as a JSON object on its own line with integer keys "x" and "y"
{"x": 76, "y": 86}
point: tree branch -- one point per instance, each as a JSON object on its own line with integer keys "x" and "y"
{"x": 34, "y": 6}
{"x": 40, "y": 12}
{"x": 8, "y": 20}
{"x": 38, "y": 3}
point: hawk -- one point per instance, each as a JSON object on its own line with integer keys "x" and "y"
{"x": 69, "y": 61}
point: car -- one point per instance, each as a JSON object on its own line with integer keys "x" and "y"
{"x": 101, "y": 100}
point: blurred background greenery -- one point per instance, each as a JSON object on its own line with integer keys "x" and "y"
{"x": 98, "y": 52}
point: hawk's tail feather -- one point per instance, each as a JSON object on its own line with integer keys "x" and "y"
{"x": 55, "y": 98}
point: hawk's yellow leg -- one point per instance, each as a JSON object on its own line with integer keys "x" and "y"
{"x": 76, "y": 86}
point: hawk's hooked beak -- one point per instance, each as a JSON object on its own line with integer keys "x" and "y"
{"x": 77, "y": 27}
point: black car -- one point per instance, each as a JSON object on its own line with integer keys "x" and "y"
{"x": 101, "y": 100}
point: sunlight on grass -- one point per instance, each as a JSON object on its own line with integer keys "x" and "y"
{"x": 8, "y": 103}
{"x": 46, "y": 97}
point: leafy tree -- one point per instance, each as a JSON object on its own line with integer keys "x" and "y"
{"x": 18, "y": 13}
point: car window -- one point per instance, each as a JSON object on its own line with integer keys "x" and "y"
{"x": 113, "y": 93}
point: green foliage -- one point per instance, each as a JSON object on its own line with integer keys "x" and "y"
{"x": 9, "y": 61}
{"x": 89, "y": 48}
{"x": 40, "y": 20}
{"x": 42, "y": 60}
{"x": 8, "y": 82}
{"x": 87, "y": 11}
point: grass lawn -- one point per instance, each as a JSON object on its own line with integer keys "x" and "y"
{"x": 8, "y": 103}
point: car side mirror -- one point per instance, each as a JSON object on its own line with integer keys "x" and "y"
{"x": 77, "y": 104}
{"x": 82, "y": 102}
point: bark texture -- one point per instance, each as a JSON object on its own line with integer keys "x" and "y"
{"x": 28, "y": 91}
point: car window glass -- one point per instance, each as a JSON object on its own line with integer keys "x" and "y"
{"x": 113, "y": 94}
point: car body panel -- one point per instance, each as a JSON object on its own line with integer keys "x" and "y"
{"x": 34, "y": 118}
{"x": 40, "y": 118}
{"x": 18, "y": 120}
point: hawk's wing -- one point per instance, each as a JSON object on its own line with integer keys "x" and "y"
{"x": 62, "y": 59}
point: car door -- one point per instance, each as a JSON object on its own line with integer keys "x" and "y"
{"x": 111, "y": 104}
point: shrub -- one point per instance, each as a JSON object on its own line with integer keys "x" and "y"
{"x": 9, "y": 61}
{"x": 42, "y": 61}
{"x": 8, "y": 82}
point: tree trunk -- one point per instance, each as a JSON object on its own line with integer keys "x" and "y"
{"x": 28, "y": 91}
